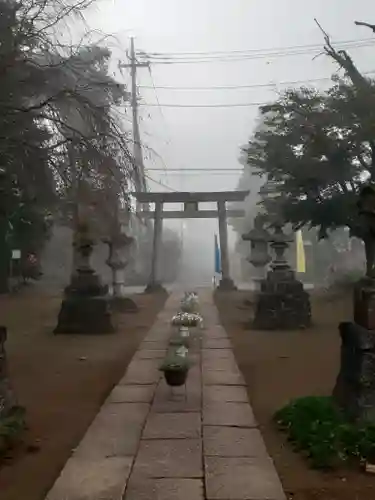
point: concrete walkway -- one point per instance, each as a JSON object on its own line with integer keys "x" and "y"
{"x": 146, "y": 444}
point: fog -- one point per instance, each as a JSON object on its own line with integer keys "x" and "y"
{"x": 205, "y": 128}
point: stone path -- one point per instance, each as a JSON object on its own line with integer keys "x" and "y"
{"x": 146, "y": 444}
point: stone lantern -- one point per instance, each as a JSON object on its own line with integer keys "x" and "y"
{"x": 282, "y": 303}
{"x": 85, "y": 307}
{"x": 259, "y": 256}
{"x": 119, "y": 245}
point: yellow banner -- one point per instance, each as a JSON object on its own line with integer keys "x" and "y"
{"x": 300, "y": 253}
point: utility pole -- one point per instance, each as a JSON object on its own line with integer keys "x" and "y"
{"x": 139, "y": 169}
{"x": 137, "y": 146}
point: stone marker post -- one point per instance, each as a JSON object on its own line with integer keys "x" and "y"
{"x": 354, "y": 391}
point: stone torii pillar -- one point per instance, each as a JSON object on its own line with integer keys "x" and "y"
{"x": 226, "y": 282}
{"x": 154, "y": 283}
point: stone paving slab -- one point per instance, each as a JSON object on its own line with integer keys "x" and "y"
{"x": 228, "y": 414}
{"x": 150, "y": 354}
{"x": 225, "y": 393}
{"x": 222, "y": 377}
{"x": 241, "y": 479}
{"x": 163, "y": 458}
{"x": 103, "y": 479}
{"x": 216, "y": 343}
{"x": 132, "y": 394}
{"x": 220, "y": 364}
{"x": 215, "y": 354}
{"x": 115, "y": 431}
{"x": 233, "y": 442}
{"x": 216, "y": 332}
{"x": 153, "y": 345}
{"x": 173, "y": 426}
{"x": 165, "y": 489}
{"x": 142, "y": 372}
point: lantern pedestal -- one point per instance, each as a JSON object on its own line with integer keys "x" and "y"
{"x": 282, "y": 304}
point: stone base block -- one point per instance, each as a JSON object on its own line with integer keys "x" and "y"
{"x": 226, "y": 285}
{"x": 354, "y": 390}
{"x": 282, "y": 305}
{"x": 155, "y": 288}
{"x": 84, "y": 315}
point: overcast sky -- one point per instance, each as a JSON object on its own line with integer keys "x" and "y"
{"x": 211, "y": 137}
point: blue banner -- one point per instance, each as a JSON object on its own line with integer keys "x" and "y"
{"x": 217, "y": 256}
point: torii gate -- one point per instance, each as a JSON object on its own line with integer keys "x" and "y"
{"x": 191, "y": 211}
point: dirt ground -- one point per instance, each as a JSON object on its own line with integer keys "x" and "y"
{"x": 279, "y": 366}
{"x": 61, "y": 381}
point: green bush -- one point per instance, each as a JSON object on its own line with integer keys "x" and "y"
{"x": 317, "y": 429}
{"x": 10, "y": 428}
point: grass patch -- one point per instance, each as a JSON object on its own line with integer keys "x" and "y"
{"x": 317, "y": 428}
{"x": 10, "y": 428}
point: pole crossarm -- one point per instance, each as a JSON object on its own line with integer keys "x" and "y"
{"x": 198, "y": 214}
{"x": 188, "y": 197}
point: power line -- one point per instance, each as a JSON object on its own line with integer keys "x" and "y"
{"x": 160, "y": 59}
{"x": 252, "y": 86}
{"x": 160, "y": 110}
{"x": 160, "y": 183}
{"x": 235, "y": 105}
{"x": 265, "y": 50}
{"x": 204, "y": 173}
{"x": 199, "y": 169}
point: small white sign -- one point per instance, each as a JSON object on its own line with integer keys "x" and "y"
{"x": 16, "y": 254}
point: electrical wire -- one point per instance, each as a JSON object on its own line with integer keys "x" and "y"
{"x": 161, "y": 183}
{"x": 218, "y": 105}
{"x": 161, "y": 113}
{"x": 182, "y": 170}
{"x": 162, "y": 59}
{"x": 271, "y": 49}
{"x": 197, "y": 174}
{"x": 253, "y": 86}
